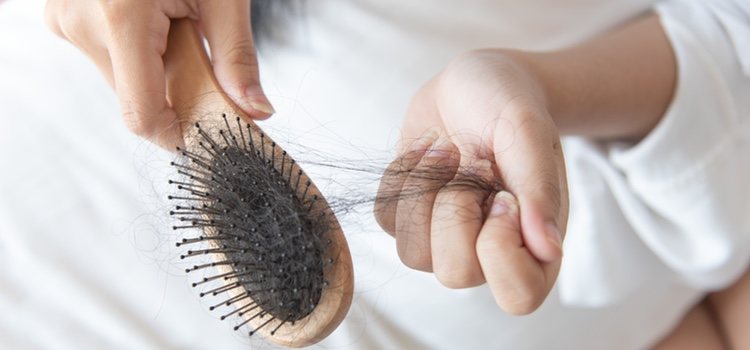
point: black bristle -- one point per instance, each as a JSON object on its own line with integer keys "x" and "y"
{"x": 278, "y": 326}
{"x": 299, "y": 176}
{"x": 250, "y": 137}
{"x": 262, "y": 325}
{"x": 242, "y": 134}
{"x": 273, "y": 154}
{"x": 262, "y": 150}
{"x": 273, "y": 244}
{"x": 291, "y": 167}
{"x": 307, "y": 188}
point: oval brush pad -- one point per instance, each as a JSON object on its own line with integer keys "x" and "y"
{"x": 278, "y": 252}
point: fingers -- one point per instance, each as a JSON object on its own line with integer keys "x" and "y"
{"x": 421, "y": 119}
{"x": 534, "y": 172}
{"x": 136, "y": 48}
{"x": 226, "y": 26}
{"x": 457, "y": 217}
{"x": 518, "y": 282}
{"x": 51, "y": 9}
{"x": 69, "y": 28}
{"x": 393, "y": 180}
{"x": 126, "y": 40}
{"x": 415, "y": 204}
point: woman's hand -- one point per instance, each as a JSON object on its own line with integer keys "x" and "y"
{"x": 126, "y": 40}
{"x": 491, "y": 112}
{"x": 485, "y": 113}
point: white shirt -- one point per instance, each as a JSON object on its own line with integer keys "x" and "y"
{"x": 88, "y": 261}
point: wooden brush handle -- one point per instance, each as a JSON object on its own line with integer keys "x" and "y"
{"x": 192, "y": 88}
{"x": 196, "y": 96}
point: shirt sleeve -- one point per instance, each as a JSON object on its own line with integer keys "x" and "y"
{"x": 691, "y": 174}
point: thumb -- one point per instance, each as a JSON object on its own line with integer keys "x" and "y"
{"x": 226, "y": 25}
{"x": 516, "y": 278}
{"x": 532, "y": 168}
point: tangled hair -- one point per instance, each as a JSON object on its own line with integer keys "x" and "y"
{"x": 255, "y": 211}
{"x": 245, "y": 203}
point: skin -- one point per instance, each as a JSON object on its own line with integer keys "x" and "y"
{"x": 731, "y": 307}
{"x": 696, "y": 331}
{"x": 126, "y": 39}
{"x": 508, "y": 109}
{"x": 614, "y": 87}
{"x": 499, "y": 112}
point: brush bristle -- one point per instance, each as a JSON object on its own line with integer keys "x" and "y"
{"x": 255, "y": 212}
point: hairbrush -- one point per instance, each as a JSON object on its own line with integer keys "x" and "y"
{"x": 278, "y": 253}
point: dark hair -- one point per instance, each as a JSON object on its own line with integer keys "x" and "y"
{"x": 269, "y": 17}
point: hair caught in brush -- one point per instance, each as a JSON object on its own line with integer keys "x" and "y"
{"x": 272, "y": 241}
{"x": 473, "y": 173}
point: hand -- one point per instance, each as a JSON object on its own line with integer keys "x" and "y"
{"x": 484, "y": 114}
{"x": 126, "y": 40}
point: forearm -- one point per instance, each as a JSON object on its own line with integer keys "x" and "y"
{"x": 615, "y": 86}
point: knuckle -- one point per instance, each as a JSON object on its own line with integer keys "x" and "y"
{"x": 420, "y": 97}
{"x": 73, "y": 27}
{"x": 457, "y": 212}
{"x": 489, "y": 244}
{"x": 138, "y": 124}
{"x": 433, "y": 173}
{"x": 459, "y": 278}
{"x": 386, "y": 200}
{"x": 51, "y": 18}
{"x": 116, "y": 12}
{"x": 123, "y": 16}
{"x": 389, "y": 188}
{"x": 66, "y": 20}
{"x": 384, "y": 216}
{"x": 240, "y": 53}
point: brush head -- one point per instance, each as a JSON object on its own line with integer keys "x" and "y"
{"x": 273, "y": 238}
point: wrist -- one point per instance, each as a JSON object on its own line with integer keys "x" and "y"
{"x": 554, "y": 81}
{"x": 503, "y": 76}
{"x": 539, "y": 78}
{"x": 617, "y": 86}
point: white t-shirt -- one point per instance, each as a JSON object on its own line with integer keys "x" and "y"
{"x": 87, "y": 261}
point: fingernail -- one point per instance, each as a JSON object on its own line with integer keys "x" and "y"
{"x": 425, "y": 141}
{"x": 502, "y": 203}
{"x": 437, "y": 153}
{"x": 553, "y": 235}
{"x": 263, "y": 107}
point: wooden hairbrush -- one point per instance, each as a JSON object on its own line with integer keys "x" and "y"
{"x": 278, "y": 251}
